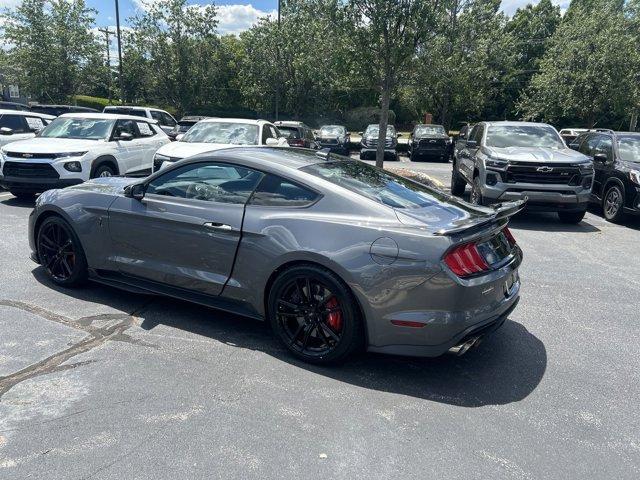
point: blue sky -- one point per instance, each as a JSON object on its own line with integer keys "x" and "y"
{"x": 234, "y": 15}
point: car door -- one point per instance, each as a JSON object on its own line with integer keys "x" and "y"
{"x": 602, "y": 146}
{"x": 467, "y": 156}
{"x": 128, "y": 152}
{"x": 151, "y": 140}
{"x": 185, "y": 231}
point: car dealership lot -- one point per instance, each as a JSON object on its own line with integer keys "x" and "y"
{"x": 104, "y": 384}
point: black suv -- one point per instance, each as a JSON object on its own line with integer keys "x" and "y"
{"x": 297, "y": 134}
{"x": 616, "y": 160}
{"x": 334, "y": 137}
{"x": 430, "y": 142}
{"x": 57, "y": 110}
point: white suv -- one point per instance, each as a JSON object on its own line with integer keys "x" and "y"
{"x": 164, "y": 119}
{"x": 76, "y": 147}
{"x": 20, "y": 125}
{"x": 217, "y": 133}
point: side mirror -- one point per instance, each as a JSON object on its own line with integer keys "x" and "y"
{"x": 135, "y": 191}
{"x": 6, "y": 131}
{"x": 124, "y": 136}
{"x": 600, "y": 158}
{"x": 272, "y": 142}
{"x": 179, "y": 137}
{"x": 472, "y": 144}
{"x": 360, "y": 133}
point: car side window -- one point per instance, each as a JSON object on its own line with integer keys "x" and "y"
{"x": 274, "y": 132}
{"x": 478, "y": 133}
{"x": 14, "y": 122}
{"x": 210, "y": 182}
{"x": 145, "y": 129}
{"x": 34, "y": 124}
{"x": 157, "y": 116}
{"x": 267, "y": 132}
{"x": 167, "y": 120}
{"x": 125, "y": 126}
{"x": 589, "y": 146}
{"x": 275, "y": 191}
{"x": 605, "y": 146}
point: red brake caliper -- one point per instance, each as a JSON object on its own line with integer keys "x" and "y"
{"x": 335, "y": 318}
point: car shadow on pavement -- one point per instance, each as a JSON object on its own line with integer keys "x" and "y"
{"x": 505, "y": 368}
{"x": 549, "y": 222}
{"x": 16, "y": 202}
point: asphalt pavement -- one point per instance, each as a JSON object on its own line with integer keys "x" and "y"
{"x": 103, "y": 384}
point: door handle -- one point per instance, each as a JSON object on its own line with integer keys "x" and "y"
{"x": 218, "y": 226}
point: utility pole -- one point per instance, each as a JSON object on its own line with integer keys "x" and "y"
{"x": 278, "y": 66}
{"x": 119, "y": 53}
{"x": 108, "y": 32}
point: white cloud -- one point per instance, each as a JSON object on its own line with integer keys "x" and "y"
{"x": 510, "y": 6}
{"x": 234, "y": 19}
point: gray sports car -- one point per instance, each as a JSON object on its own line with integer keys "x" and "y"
{"x": 336, "y": 254}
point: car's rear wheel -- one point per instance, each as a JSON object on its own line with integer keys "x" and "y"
{"x": 457, "y": 182}
{"x": 572, "y": 217}
{"x": 315, "y": 315}
{"x": 613, "y": 204}
{"x": 60, "y": 253}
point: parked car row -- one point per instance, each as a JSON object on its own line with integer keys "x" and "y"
{"x": 506, "y": 161}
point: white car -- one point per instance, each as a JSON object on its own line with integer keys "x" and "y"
{"x": 217, "y": 133}
{"x": 78, "y": 146}
{"x": 164, "y": 119}
{"x": 20, "y": 125}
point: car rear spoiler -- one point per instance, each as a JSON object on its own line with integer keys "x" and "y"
{"x": 502, "y": 211}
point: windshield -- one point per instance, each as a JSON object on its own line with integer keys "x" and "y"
{"x": 81, "y": 128}
{"x": 289, "y": 132}
{"x": 503, "y": 136}
{"x": 372, "y": 131}
{"x": 333, "y": 131}
{"x": 227, "y": 133}
{"x": 629, "y": 148}
{"x": 429, "y": 130}
{"x": 377, "y": 184}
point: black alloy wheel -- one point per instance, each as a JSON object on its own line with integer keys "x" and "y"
{"x": 476, "y": 193}
{"x": 60, "y": 253}
{"x": 613, "y": 204}
{"x": 314, "y": 315}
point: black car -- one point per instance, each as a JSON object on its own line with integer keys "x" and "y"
{"x": 430, "y": 142}
{"x": 616, "y": 160}
{"x": 334, "y": 137}
{"x": 14, "y": 106}
{"x": 184, "y": 124}
{"x": 57, "y": 110}
{"x": 297, "y": 134}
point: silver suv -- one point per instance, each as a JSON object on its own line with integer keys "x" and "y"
{"x": 505, "y": 161}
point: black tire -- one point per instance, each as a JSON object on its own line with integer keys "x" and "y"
{"x": 103, "y": 170}
{"x": 572, "y": 217}
{"x": 613, "y": 204}
{"x": 458, "y": 184}
{"x": 299, "y": 321}
{"x": 476, "y": 193}
{"x": 23, "y": 194}
{"x": 362, "y": 156}
{"x": 60, "y": 253}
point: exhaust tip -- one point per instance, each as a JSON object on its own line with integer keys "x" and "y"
{"x": 465, "y": 346}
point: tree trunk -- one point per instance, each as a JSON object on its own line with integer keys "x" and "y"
{"x": 634, "y": 121}
{"x": 384, "y": 122}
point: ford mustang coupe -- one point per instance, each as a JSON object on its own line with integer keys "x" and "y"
{"x": 336, "y": 254}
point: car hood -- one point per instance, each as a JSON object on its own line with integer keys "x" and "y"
{"x": 536, "y": 154}
{"x": 51, "y": 145}
{"x": 185, "y": 149}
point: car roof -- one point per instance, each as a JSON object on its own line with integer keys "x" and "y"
{"x": 514, "y": 123}
{"x": 234, "y": 120}
{"x": 290, "y": 123}
{"x": 106, "y": 116}
{"x": 429, "y": 125}
{"x": 4, "y": 111}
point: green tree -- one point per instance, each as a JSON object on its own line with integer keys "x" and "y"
{"x": 50, "y": 43}
{"x": 589, "y": 72}
{"x": 386, "y": 37}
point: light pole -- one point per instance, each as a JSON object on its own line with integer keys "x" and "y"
{"x": 119, "y": 52}
{"x": 107, "y": 33}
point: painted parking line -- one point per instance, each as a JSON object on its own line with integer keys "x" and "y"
{"x": 5, "y": 195}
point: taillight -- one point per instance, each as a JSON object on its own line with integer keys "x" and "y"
{"x": 296, "y": 143}
{"x": 465, "y": 260}
{"x": 509, "y": 235}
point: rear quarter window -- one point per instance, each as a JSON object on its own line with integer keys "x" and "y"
{"x": 275, "y": 191}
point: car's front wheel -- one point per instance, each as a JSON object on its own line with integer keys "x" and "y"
{"x": 104, "y": 170}
{"x": 458, "y": 183}
{"x": 572, "y": 217}
{"x": 60, "y": 253}
{"x": 476, "y": 192}
{"x": 315, "y": 314}
{"x": 613, "y": 204}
